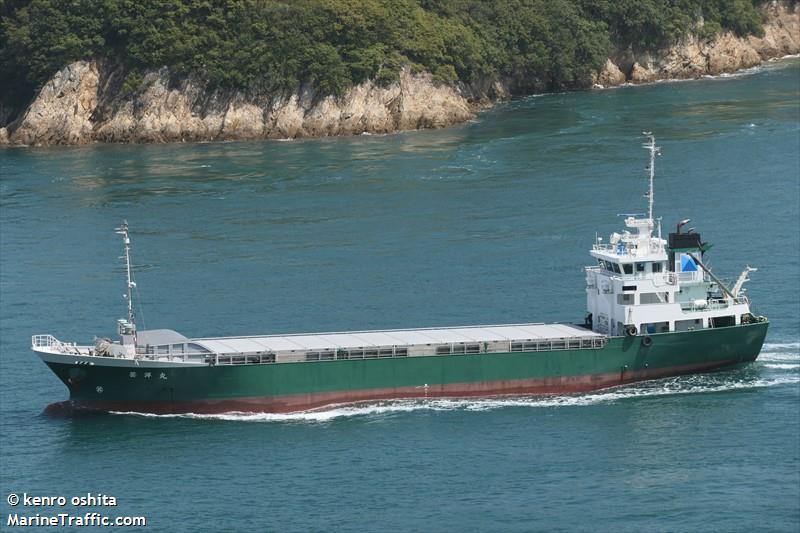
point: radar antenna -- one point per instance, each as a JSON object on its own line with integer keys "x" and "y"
{"x": 654, "y": 150}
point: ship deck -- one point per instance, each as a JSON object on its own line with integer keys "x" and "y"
{"x": 410, "y": 342}
{"x": 168, "y": 346}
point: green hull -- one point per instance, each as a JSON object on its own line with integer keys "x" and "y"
{"x": 281, "y": 387}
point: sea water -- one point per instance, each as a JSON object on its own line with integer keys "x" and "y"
{"x": 488, "y": 222}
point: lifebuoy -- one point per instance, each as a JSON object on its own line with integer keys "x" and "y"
{"x": 647, "y": 340}
{"x": 630, "y": 331}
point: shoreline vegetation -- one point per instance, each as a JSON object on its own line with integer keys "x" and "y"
{"x": 169, "y": 70}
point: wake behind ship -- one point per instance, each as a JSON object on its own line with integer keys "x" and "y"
{"x": 654, "y": 309}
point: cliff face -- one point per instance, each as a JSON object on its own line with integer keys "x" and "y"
{"x": 61, "y": 113}
{"x": 84, "y": 102}
{"x": 694, "y": 58}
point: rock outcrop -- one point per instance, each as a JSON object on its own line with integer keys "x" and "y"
{"x": 83, "y": 103}
{"x": 88, "y": 101}
{"x": 610, "y": 75}
{"x": 61, "y": 113}
{"x": 692, "y": 57}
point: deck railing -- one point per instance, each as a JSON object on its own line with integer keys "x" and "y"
{"x": 548, "y": 345}
{"x": 658, "y": 278}
{"x": 593, "y": 342}
{"x": 688, "y": 307}
{"x": 589, "y": 342}
{"x": 48, "y": 341}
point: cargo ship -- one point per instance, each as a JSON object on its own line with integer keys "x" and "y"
{"x": 654, "y": 309}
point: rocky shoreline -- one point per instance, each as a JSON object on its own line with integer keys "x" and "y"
{"x": 86, "y": 102}
{"x": 693, "y": 58}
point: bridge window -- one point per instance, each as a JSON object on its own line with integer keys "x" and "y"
{"x": 640, "y": 267}
{"x": 657, "y": 267}
{"x": 627, "y": 268}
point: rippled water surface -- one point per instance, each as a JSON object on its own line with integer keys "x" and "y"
{"x": 489, "y": 222}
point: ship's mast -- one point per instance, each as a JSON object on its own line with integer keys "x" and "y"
{"x": 654, "y": 150}
{"x": 123, "y": 230}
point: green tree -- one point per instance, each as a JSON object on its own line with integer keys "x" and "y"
{"x": 277, "y": 45}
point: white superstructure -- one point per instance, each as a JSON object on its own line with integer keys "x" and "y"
{"x": 643, "y": 284}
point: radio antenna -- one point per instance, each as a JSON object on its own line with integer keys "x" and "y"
{"x": 654, "y": 150}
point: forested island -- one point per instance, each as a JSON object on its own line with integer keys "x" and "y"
{"x": 268, "y": 68}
